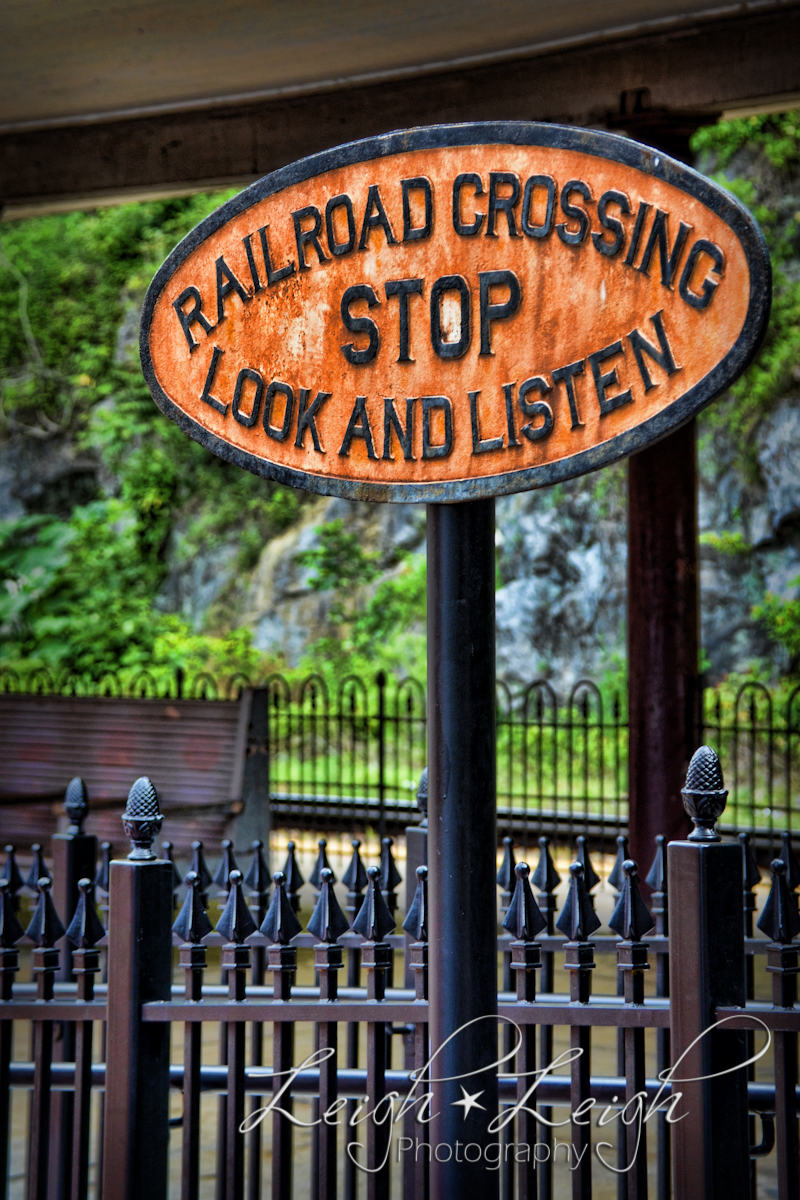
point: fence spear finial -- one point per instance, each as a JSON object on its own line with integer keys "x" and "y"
{"x": 198, "y": 865}
{"x": 45, "y": 927}
{"x": 780, "y": 920}
{"x": 328, "y": 922}
{"x": 168, "y": 850}
{"x": 374, "y": 920}
{"x": 524, "y": 917}
{"x": 390, "y": 876}
{"x": 11, "y": 872}
{"x": 704, "y": 795}
{"x": 590, "y": 876}
{"x": 657, "y": 875}
{"x": 322, "y": 864}
{"x": 280, "y": 924}
{"x": 578, "y": 920}
{"x": 416, "y": 922}
{"x": 192, "y": 923}
{"x": 355, "y": 877}
{"x": 631, "y": 918}
{"x": 505, "y": 875}
{"x": 142, "y": 819}
{"x": 236, "y": 921}
{"x": 545, "y": 878}
{"x": 751, "y": 876}
{"x": 10, "y": 929}
{"x": 293, "y": 877}
{"x": 227, "y": 864}
{"x": 616, "y": 878}
{"x": 792, "y": 865}
{"x": 76, "y": 803}
{"x": 257, "y": 877}
{"x": 102, "y": 880}
{"x": 85, "y": 929}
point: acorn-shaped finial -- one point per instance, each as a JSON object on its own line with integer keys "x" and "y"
{"x": 704, "y": 795}
{"x": 142, "y": 819}
{"x": 76, "y": 803}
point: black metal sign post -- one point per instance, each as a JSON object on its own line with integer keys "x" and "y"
{"x": 462, "y": 840}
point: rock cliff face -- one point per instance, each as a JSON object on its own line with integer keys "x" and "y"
{"x": 561, "y": 561}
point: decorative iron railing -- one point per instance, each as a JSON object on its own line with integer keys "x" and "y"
{"x": 111, "y": 1047}
{"x": 355, "y": 754}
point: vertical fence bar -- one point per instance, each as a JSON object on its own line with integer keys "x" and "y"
{"x": 710, "y": 1147}
{"x": 191, "y": 926}
{"x": 44, "y": 931}
{"x": 140, "y": 970}
{"x": 657, "y": 880}
{"x": 380, "y": 680}
{"x": 84, "y": 932}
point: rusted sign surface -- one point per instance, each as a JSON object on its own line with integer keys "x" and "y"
{"x": 455, "y": 312}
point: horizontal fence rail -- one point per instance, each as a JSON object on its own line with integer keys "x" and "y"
{"x": 146, "y": 1049}
{"x": 354, "y": 755}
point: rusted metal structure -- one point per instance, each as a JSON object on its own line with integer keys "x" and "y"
{"x": 126, "y": 982}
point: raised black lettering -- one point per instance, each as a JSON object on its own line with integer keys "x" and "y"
{"x": 431, "y": 404}
{"x": 536, "y": 408}
{"x": 205, "y": 395}
{"x": 450, "y": 283}
{"x": 717, "y": 257}
{"x": 638, "y": 226}
{"x": 567, "y": 376}
{"x": 360, "y": 291}
{"x": 468, "y": 177}
{"x": 193, "y": 317}
{"x": 668, "y": 258}
{"x": 479, "y": 446}
{"x": 277, "y": 388}
{"x": 411, "y": 232}
{"x": 502, "y": 204}
{"x": 358, "y": 427}
{"x": 573, "y": 212}
{"x": 273, "y": 276}
{"x": 251, "y": 262}
{"x": 603, "y": 382}
{"x": 403, "y": 288}
{"x": 375, "y": 215}
{"x": 508, "y": 393}
{"x": 405, "y": 437}
{"x": 538, "y": 181}
{"x": 496, "y": 312}
{"x": 612, "y": 224}
{"x": 663, "y": 358}
{"x": 227, "y": 283}
{"x": 247, "y": 419}
{"x": 307, "y": 237}
{"x": 307, "y": 418}
{"x": 339, "y": 248}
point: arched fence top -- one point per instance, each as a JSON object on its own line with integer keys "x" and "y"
{"x": 409, "y": 692}
{"x": 579, "y": 699}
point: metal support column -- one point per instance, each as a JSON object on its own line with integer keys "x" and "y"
{"x": 462, "y": 840}
{"x": 663, "y": 685}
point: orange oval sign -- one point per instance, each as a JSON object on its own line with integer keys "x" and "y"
{"x": 455, "y": 312}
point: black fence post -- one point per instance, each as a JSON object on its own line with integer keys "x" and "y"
{"x": 136, "y": 1134}
{"x": 255, "y": 822}
{"x": 710, "y": 1146}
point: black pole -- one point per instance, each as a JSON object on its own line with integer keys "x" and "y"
{"x": 462, "y": 842}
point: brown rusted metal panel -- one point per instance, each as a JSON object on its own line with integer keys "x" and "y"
{"x": 192, "y": 749}
{"x": 455, "y": 312}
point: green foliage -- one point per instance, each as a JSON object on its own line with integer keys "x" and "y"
{"x": 777, "y": 134}
{"x": 772, "y": 374}
{"x": 369, "y": 629}
{"x": 730, "y": 544}
{"x": 782, "y": 618}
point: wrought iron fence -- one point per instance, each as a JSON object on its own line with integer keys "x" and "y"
{"x": 356, "y": 754}
{"x": 139, "y": 1110}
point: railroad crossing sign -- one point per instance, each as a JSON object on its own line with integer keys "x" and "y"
{"x": 455, "y": 312}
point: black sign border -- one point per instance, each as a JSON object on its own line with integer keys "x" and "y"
{"x": 516, "y": 133}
